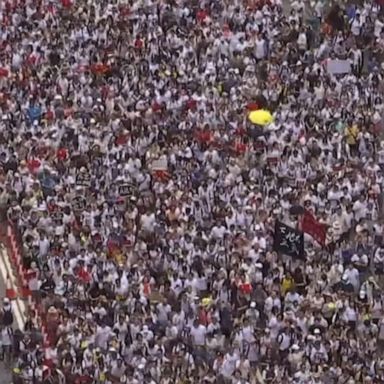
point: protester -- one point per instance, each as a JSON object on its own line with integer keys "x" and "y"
{"x": 147, "y": 204}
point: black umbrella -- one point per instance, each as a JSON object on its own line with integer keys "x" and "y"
{"x": 261, "y": 101}
{"x": 296, "y": 210}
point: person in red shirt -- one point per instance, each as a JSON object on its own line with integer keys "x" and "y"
{"x": 83, "y": 274}
{"x": 201, "y": 16}
{"x": 62, "y": 154}
{"x": 66, "y": 4}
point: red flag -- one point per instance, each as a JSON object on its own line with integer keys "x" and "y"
{"x": 310, "y": 225}
{"x": 252, "y": 106}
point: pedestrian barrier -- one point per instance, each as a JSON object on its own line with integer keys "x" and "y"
{"x": 23, "y": 275}
{"x": 17, "y": 262}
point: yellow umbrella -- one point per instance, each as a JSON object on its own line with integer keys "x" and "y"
{"x": 261, "y": 117}
{"x": 206, "y": 301}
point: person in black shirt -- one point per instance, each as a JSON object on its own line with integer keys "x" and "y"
{"x": 48, "y": 285}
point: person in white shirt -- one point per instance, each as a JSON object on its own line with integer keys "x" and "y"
{"x": 284, "y": 340}
{"x": 359, "y": 208}
{"x": 291, "y": 298}
{"x": 378, "y": 260}
{"x": 103, "y": 335}
{"x": 148, "y": 222}
{"x": 260, "y": 48}
{"x": 350, "y": 315}
{"x": 229, "y": 363}
{"x": 302, "y": 40}
{"x": 356, "y": 25}
{"x": 121, "y": 328}
{"x": 378, "y": 27}
{"x": 6, "y": 340}
{"x": 360, "y": 262}
{"x": 272, "y": 301}
{"x": 198, "y": 334}
{"x": 352, "y": 276}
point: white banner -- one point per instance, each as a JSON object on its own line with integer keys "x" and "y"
{"x": 159, "y": 164}
{"x": 338, "y": 67}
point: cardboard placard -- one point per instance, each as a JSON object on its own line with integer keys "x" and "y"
{"x": 79, "y": 203}
{"x": 83, "y": 179}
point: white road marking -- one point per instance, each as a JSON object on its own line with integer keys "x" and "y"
{"x": 18, "y": 304}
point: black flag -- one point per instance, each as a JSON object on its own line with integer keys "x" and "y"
{"x": 288, "y": 241}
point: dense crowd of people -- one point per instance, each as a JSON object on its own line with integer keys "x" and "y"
{"x": 145, "y": 201}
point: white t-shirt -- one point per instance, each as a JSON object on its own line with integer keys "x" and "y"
{"x": 102, "y": 336}
{"x": 198, "y": 335}
{"x": 229, "y": 364}
{"x": 350, "y": 314}
{"x": 302, "y": 41}
{"x": 6, "y": 336}
{"x": 148, "y": 222}
{"x": 260, "y": 49}
{"x": 356, "y": 26}
{"x": 360, "y": 209}
{"x": 378, "y": 27}
{"x": 352, "y": 276}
